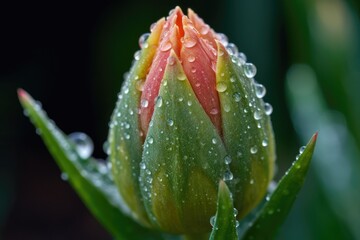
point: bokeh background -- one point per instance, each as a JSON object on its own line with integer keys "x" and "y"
{"x": 71, "y": 55}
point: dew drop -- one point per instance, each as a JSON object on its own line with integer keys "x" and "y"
{"x": 264, "y": 143}
{"x": 221, "y": 87}
{"x": 268, "y": 109}
{"x": 235, "y": 212}
{"x": 257, "y": 115}
{"x": 142, "y": 165}
{"x": 242, "y": 57}
{"x": 223, "y": 39}
{"x": 83, "y": 144}
{"x": 150, "y": 140}
{"x": 165, "y": 47}
{"x": 191, "y": 58}
{"x": 106, "y": 147}
{"x": 170, "y": 122}
{"x": 252, "y": 181}
{"x": 158, "y": 101}
{"x": 142, "y": 40}
{"x": 227, "y": 160}
{"x": 253, "y": 150}
{"x": 171, "y": 60}
{"x": 260, "y": 90}
{"x": 214, "y": 111}
{"x": 227, "y": 108}
{"x": 214, "y": 140}
{"x": 301, "y": 150}
{"x": 140, "y": 85}
{"x": 232, "y": 49}
{"x": 189, "y": 103}
{"x": 228, "y": 176}
{"x": 144, "y": 103}
{"x": 212, "y": 221}
{"x": 137, "y": 55}
{"x": 189, "y": 42}
{"x": 205, "y": 29}
{"x": 237, "y": 97}
{"x": 181, "y": 76}
{"x": 193, "y": 70}
{"x": 64, "y": 176}
{"x": 249, "y": 70}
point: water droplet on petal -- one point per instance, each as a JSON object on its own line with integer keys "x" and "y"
{"x": 227, "y": 160}
{"x": 64, "y": 176}
{"x": 214, "y": 111}
{"x": 165, "y": 47}
{"x": 181, "y": 76}
{"x": 83, "y": 144}
{"x": 228, "y": 175}
{"x": 191, "y": 59}
{"x": 257, "y": 115}
{"x": 140, "y": 85}
{"x": 221, "y": 87}
{"x": 212, "y": 221}
{"x": 237, "y": 97}
{"x": 249, "y": 70}
{"x": 142, "y": 165}
{"x": 253, "y": 150}
{"x": 193, "y": 70}
{"x": 171, "y": 60}
{"x": 301, "y": 150}
{"x": 205, "y": 29}
{"x": 232, "y": 49}
{"x": 223, "y": 39}
{"x": 158, "y": 101}
{"x": 268, "y": 109}
{"x": 242, "y": 56}
{"x": 137, "y": 55}
{"x": 189, "y": 42}
{"x": 142, "y": 40}
{"x": 260, "y": 90}
{"x": 144, "y": 103}
{"x": 170, "y": 122}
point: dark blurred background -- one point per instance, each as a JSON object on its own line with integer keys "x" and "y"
{"x": 71, "y": 55}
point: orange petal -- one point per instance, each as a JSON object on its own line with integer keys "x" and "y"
{"x": 198, "y": 68}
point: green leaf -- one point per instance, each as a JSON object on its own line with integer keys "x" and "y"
{"x": 96, "y": 189}
{"x": 277, "y": 208}
{"x": 225, "y": 222}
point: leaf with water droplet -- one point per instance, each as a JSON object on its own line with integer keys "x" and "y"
{"x": 278, "y": 206}
{"x": 242, "y": 134}
{"x": 97, "y": 190}
{"x": 224, "y": 226}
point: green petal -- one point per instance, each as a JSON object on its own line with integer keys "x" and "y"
{"x": 96, "y": 189}
{"x": 125, "y": 137}
{"x": 277, "y": 208}
{"x": 247, "y": 133}
{"x": 183, "y": 159}
{"x": 225, "y": 222}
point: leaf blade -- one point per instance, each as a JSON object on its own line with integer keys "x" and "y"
{"x": 277, "y": 208}
{"x": 102, "y": 202}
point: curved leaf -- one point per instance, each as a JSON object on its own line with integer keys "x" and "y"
{"x": 277, "y": 208}
{"x": 225, "y": 222}
{"x": 95, "y": 188}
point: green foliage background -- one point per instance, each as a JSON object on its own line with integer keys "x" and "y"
{"x": 72, "y": 57}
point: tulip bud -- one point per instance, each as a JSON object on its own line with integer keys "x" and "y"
{"x": 189, "y": 114}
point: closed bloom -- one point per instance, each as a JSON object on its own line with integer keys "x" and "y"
{"x": 189, "y": 114}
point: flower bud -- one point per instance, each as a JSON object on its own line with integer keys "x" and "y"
{"x": 189, "y": 114}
